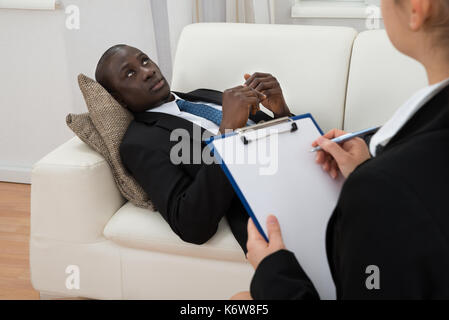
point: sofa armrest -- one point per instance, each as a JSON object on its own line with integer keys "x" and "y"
{"x": 73, "y": 194}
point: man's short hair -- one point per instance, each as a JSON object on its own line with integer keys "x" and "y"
{"x": 99, "y": 72}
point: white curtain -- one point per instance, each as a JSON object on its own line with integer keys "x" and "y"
{"x": 237, "y": 11}
{"x": 171, "y": 16}
{"x": 251, "y": 11}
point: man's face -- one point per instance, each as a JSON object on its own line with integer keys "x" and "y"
{"x": 135, "y": 80}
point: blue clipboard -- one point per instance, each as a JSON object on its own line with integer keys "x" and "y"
{"x": 231, "y": 178}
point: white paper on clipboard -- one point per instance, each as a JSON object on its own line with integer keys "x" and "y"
{"x": 277, "y": 174}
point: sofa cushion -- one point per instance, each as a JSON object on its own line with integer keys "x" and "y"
{"x": 103, "y": 128}
{"x": 380, "y": 80}
{"x": 144, "y": 229}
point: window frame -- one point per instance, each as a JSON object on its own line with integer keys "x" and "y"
{"x": 332, "y": 9}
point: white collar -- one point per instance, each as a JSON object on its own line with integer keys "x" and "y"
{"x": 403, "y": 114}
{"x": 168, "y": 107}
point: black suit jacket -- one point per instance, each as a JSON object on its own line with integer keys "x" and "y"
{"x": 191, "y": 197}
{"x": 393, "y": 213}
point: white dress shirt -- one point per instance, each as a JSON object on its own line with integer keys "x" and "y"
{"x": 403, "y": 114}
{"x": 173, "y": 109}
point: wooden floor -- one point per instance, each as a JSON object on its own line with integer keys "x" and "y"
{"x": 14, "y": 242}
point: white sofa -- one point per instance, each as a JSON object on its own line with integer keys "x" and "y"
{"x": 78, "y": 217}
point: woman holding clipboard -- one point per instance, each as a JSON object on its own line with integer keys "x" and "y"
{"x": 388, "y": 237}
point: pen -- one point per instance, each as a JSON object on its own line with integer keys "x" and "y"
{"x": 349, "y": 136}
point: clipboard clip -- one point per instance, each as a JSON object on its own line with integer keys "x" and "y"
{"x": 246, "y": 140}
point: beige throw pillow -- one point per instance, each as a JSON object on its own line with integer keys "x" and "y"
{"x": 103, "y": 128}
{"x": 85, "y": 130}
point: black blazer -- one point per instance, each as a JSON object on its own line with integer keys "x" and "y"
{"x": 192, "y": 198}
{"x": 393, "y": 213}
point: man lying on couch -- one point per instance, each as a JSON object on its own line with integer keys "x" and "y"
{"x": 191, "y": 197}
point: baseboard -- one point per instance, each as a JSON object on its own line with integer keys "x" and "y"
{"x": 55, "y": 296}
{"x": 15, "y": 174}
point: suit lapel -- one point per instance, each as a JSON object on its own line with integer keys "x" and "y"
{"x": 171, "y": 123}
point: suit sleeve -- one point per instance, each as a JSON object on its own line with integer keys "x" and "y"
{"x": 193, "y": 206}
{"x": 260, "y": 116}
{"x": 280, "y": 277}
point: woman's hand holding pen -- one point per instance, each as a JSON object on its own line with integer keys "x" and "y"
{"x": 343, "y": 157}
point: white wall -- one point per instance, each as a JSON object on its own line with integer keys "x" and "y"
{"x": 283, "y": 16}
{"x": 40, "y": 59}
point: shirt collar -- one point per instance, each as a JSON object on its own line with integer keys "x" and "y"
{"x": 403, "y": 114}
{"x": 168, "y": 107}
